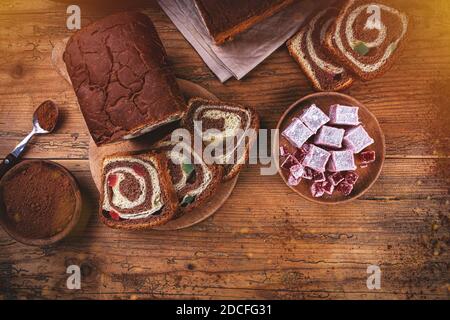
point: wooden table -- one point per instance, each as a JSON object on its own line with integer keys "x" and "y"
{"x": 265, "y": 242}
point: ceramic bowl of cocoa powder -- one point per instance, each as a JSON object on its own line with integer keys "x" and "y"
{"x": 40, "y": 202}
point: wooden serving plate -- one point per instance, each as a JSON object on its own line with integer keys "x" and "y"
{"x": 367, "y": 176}
{"x": 75, "y": 215}
{"x": 142, "y": 143}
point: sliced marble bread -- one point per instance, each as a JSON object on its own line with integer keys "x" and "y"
{"x": 228, "y": 130}
{"x": 194, "y": 180}
{"x": 137, "y": 191}
{"x": 367, "y": 37}
{"x": 306, "y": 47}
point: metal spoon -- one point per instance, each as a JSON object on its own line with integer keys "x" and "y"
{"x": 12, "y": 158}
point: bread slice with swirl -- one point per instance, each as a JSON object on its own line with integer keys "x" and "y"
{"x": 137, "y": 191}
{"x": 306, "y": 47}
{"x": 193, "y": 179}
{"x": 228, "y": 130}
{"x": 367, "y": 37}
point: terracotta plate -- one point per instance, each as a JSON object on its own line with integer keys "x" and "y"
{"x": 367, "y": 176}
{"x": 96, "y": 155}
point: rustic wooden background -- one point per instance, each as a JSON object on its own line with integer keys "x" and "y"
{"x": 265, "y": 242}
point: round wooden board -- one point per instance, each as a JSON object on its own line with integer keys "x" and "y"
{"x": 97, "y": 154}
{"x": 368, "y": 175}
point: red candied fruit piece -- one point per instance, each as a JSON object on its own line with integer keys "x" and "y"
{"x": 112, "y": 180}
{"x": 336, "y": 178}
{"x": 345, "y": 188}
{"x": 351, "y": 177}
{"x": 114, "y": 215}
{"x": 308, "y": 173}
{"x": 300, "y": 153}
{"x": 316, "y": 190}
{"x": 289, "y": 162}
{"x": 318, "y": 176}
{"x": 140, "y": 171}
{"x": 328, "y": 187}
{"x": 367, "y": 157}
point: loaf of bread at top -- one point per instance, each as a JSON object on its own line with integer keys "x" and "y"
{"x": 224, "y": 19}
{"x": 120, "y": 74}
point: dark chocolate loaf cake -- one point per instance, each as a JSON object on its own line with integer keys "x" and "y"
{"x": 367, "y": 37}
{"x": 194, "y": 180}
{"x": 137, "y": 192}
{"x": 306, "y": 47}
{"x": 119, "y": 71}
{"x": 226, "y": 18}
{"x": 229, "y": 128}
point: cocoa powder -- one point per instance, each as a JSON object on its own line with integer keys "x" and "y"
{"x": 47, "y": 115}
{"x": 39, "y": 200}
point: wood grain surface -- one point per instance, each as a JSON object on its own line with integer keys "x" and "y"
{"x": 265, "y": 242}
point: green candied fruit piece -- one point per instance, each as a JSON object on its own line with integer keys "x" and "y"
{"x": 187, "y": 200}
{"x": 188, "y": 168}
{"x": 361, "y": 48}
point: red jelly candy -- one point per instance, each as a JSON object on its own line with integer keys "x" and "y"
{"x": 367, "y": 157}
{"x": 308, "y": 173}
{"x": 351, "y": 177}
{"x": 316, "y": 190}
{"x": 289, "y": 162}
{"x": 140, "y": 171}
{"x": 336, "y": 178}
{"x": 318, "y": 176}
{"x": 112, "y": 180}
{"x": 114, "y": 215}
{"x": 345, "y": 187}
{"x": 328, "y": 187}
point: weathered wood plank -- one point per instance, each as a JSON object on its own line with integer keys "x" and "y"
{"x": 271, "y": 244}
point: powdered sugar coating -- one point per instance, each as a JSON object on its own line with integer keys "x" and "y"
{"x": 314, "y": 118}
{"x": 316, "y": 158}
{"x": 297, "y": 133}
{"x": 341, "y": 161}
{"x": 357, "y": 139}
{"x": 329, "y": 137}
{"x": 344, "y": 115}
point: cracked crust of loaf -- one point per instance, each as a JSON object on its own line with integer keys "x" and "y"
{"x": 339, "y": 86}
{"x": 120, "y": 74}
{"x": 364, "y": 76}
{"x": 167, "y": 193}
{"x": 230, "y": 171}
{"x": 227, "y": 35}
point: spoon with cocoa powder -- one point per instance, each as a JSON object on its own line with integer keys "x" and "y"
{"x": 44, "y": 121}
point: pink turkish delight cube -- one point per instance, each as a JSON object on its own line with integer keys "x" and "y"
{"x": 328, "y": 187}
{"x": 367, "y": 157}
{"x": 316, "y": 190}
{"x": 341, "y": 161}
{"x": 289, "y": 162}
{"x": 336, "y": 178}
{"x": 316, "y": 158}
{"x": 297, "y": 133}
{"x": 293, "y": 182}
{"x": 351, "y": 177}
{"x": 357, "y": 139}
{"x": 345, "y": 188}
{"x": 329, "y": 137}
{"x": 297, "y": 171}
{"x": 344, "y": 115}
{"x": 314, "y": 118}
